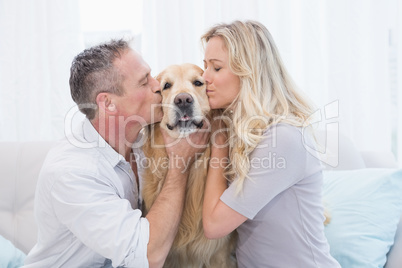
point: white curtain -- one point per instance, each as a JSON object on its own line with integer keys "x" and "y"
{"x": 38, "y": 40}
{"x": 336, "y": 50}
{"x": 339, "y": 52}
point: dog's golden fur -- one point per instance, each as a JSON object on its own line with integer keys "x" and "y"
{"x": 190, "y": 248}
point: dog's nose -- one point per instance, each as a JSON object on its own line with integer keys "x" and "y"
{"x": 183, "y": 100}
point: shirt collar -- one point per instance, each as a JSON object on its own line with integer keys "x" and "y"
{"x": 92, "y": 136}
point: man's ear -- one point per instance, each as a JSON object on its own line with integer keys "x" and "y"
{"x": 105, "y": 103}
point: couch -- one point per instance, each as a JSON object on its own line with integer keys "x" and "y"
{"x": 21, "y": 163}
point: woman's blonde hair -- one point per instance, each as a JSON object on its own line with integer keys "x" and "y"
{"x": 267, "y": 94}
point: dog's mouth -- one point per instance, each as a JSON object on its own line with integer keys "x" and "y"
{"x": 186, "y": 123}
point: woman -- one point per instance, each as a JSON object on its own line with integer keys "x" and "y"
{"x": 274, "y": 198}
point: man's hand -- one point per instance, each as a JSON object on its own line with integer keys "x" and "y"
{"x": 165, "y": 214}
{"x": 182, "y": 151}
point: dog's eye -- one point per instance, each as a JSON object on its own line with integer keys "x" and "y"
{"x": 198, "y": 83}
{"x": 166, "y": 86}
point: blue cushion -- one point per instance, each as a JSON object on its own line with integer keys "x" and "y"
{"x": 365, "y": 206}
{"x": 10, "y": 256}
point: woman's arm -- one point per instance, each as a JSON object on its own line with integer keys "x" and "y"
{"x": 218, "y": 218}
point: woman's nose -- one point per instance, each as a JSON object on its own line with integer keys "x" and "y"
{"x": 206, "y": 76}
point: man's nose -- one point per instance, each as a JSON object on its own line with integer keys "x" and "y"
{"x": 156, "y": 88}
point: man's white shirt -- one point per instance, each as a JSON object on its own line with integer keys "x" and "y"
{"x": 86, "y": 207}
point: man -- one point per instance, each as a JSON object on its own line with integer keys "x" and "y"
{"x": 86, "y": 202}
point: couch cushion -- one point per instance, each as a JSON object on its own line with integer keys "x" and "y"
{"x": 19, "y": 168}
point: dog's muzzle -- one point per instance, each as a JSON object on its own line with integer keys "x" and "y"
{"x": 184, "y": 106}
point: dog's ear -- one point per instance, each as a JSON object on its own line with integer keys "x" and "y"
{"x": 148, "y": 129}
{"x": 200, "y": 70}
{"x": 159, "y": 76}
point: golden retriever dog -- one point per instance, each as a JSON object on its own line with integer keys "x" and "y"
{"x": 185, "y": 107}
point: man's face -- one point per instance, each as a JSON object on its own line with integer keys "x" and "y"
{"x": 141, "y": 99}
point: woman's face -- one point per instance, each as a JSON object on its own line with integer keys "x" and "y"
{"x": 223, "y": 85}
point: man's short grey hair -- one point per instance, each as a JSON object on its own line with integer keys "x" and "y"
{"x": 92, "y": 72}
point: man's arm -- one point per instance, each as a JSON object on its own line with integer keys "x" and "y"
{"x": 164, "y": 215}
